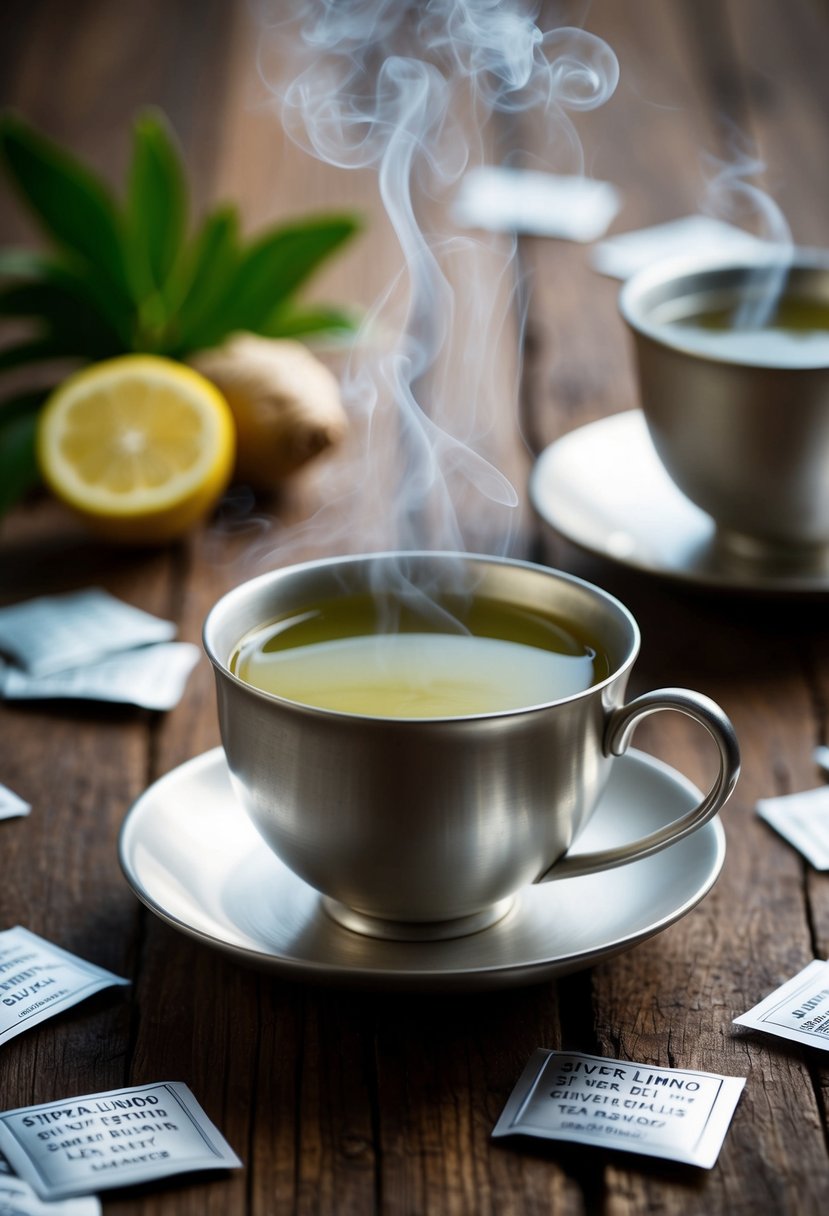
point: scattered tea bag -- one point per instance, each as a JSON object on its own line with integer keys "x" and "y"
{"x": 113, "y": 1139}
{"x": 620, "y": 256}
{"x": 38, "y": 980}
{"x": 11, "y": 807}
{"x": 797, "y": 1010}
{"x": 18, "y": 1199}
{"x": 57, "y": 632}
{"x": 541, "y": 204}
{"x": 821, "y": 755}
{"x": 675, "y": 1113}
{"x": 152, "y": 677}
{"x": 803, "y": 820}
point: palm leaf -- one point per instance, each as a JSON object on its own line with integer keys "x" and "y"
{"x": 20, "y": 263}
{"x": 271, "y": 270}
{"x": 18, "y": 461}
{"x": 69, "y": 277}
{"x": 290, "y": 321}
{"x": 156, "y": 212}
{"x": 70, "y": 203}
{"x": 204, "y": 279}
{"x": 41, "y": 349}
{"x": 64, "y": 311}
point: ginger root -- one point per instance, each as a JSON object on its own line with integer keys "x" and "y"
{"x": 286, "y": 404}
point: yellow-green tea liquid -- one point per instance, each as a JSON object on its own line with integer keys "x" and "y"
{"x": 387, "y": 660}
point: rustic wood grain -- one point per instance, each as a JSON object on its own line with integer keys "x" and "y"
{"x": 345, "y": 1102}
{"x": 672, "y": 1000}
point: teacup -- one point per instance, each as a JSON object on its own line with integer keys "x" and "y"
{"x": 425, "y": 827}
{"x": 740, "y": 416}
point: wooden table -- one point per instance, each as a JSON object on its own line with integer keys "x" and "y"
{"x": 342, "y": 1101}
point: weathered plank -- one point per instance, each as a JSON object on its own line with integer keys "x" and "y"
{"x": 783, "y": 54}
{"x": 82, "y": 766}
{"x": 269, "y": 1061}
{"x": 347, "y": 1102}
{"x": 671, "y": 1000}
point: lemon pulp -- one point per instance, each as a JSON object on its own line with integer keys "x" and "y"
{"x": 142, "y": 447}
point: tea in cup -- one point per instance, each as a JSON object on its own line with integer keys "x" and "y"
{"x": 420, "y": 735}
{"x": 380, "y": 656}
{"x": 735, "y": 392}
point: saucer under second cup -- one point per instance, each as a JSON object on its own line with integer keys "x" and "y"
{"x": 603, "y": 488}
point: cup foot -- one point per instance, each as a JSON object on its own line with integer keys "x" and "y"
{"x": 416, "y": 931}
{"x": 771, "y": 557}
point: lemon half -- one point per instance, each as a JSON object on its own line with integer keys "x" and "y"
{"x": 140, "y": 446}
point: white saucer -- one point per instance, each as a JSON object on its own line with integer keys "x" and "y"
{"x": 604, "y": 488}
{"x": 189, "y": 852}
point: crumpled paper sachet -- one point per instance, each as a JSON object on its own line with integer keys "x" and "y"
{"x": 88, "y": 645}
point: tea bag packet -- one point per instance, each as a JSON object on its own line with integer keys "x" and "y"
{"x": 12, "y": 805}
{"x": 803, "y": 820}
{"x": 797, "y": 1010}
{"x": 18, "y": 1199}
{"x": 57, "y": 632}
{"x": 822, "y": 757}
{"x": 673, "y": 1113}
{"x": 38, "y": 980}
{"x": 152, "y": 677}
{"x": 502, "y": 199}
{"x": 621, "y": 256}
{"x": 113, "y": 1139}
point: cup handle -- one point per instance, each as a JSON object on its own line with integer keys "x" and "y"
{"x": 621, "y": 724}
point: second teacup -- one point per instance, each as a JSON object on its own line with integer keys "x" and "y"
{"x": 735, "y": 391}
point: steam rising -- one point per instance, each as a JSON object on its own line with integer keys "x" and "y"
{"x": 732, "y": 196}
{"x": 420, "y": 92}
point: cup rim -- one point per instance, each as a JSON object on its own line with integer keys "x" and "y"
{"x": 225, "y": 602}
{"x": 634, "y": 290}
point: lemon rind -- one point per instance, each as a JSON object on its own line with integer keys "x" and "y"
{"x": 187, "y": 492}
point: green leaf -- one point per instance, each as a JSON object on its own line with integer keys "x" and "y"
{"x": 70, "y": 279}
{"x": 18, "y": 461}
{"x": 290, "y": 321}
{"x": 135, "y": 280}
{"x": 203, "y": 280}
{"x": 271, "y": 270}
{"x": 35, "y": 350}
{"x": 156, "y": 215}
{"x": 20, "y": 263}
{"x": 27, "y": 402}
{"x": 65, "y": 312}
{"x": 70, "y": 203}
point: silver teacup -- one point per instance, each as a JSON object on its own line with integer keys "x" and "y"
{"x": 427, "y": 828}
{"x": 741, "y": 427}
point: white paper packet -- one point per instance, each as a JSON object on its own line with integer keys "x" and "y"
{"x": 153, "y": 677}
{"x": 502, "y": 199}
{"x": 112, "y": 1139}
{"x": 674, "y": 1113}
{"x": 821, "y": 755}
{"x": 18, "y": 1199}
{"x": 39, "y": 980}
{"x": 797, "y": 1010}
{"x": 622, "y": 255}
{"x": 56, "y": 632}
{"x": 11, "y": 807}
{"x": 803, "y": 820}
